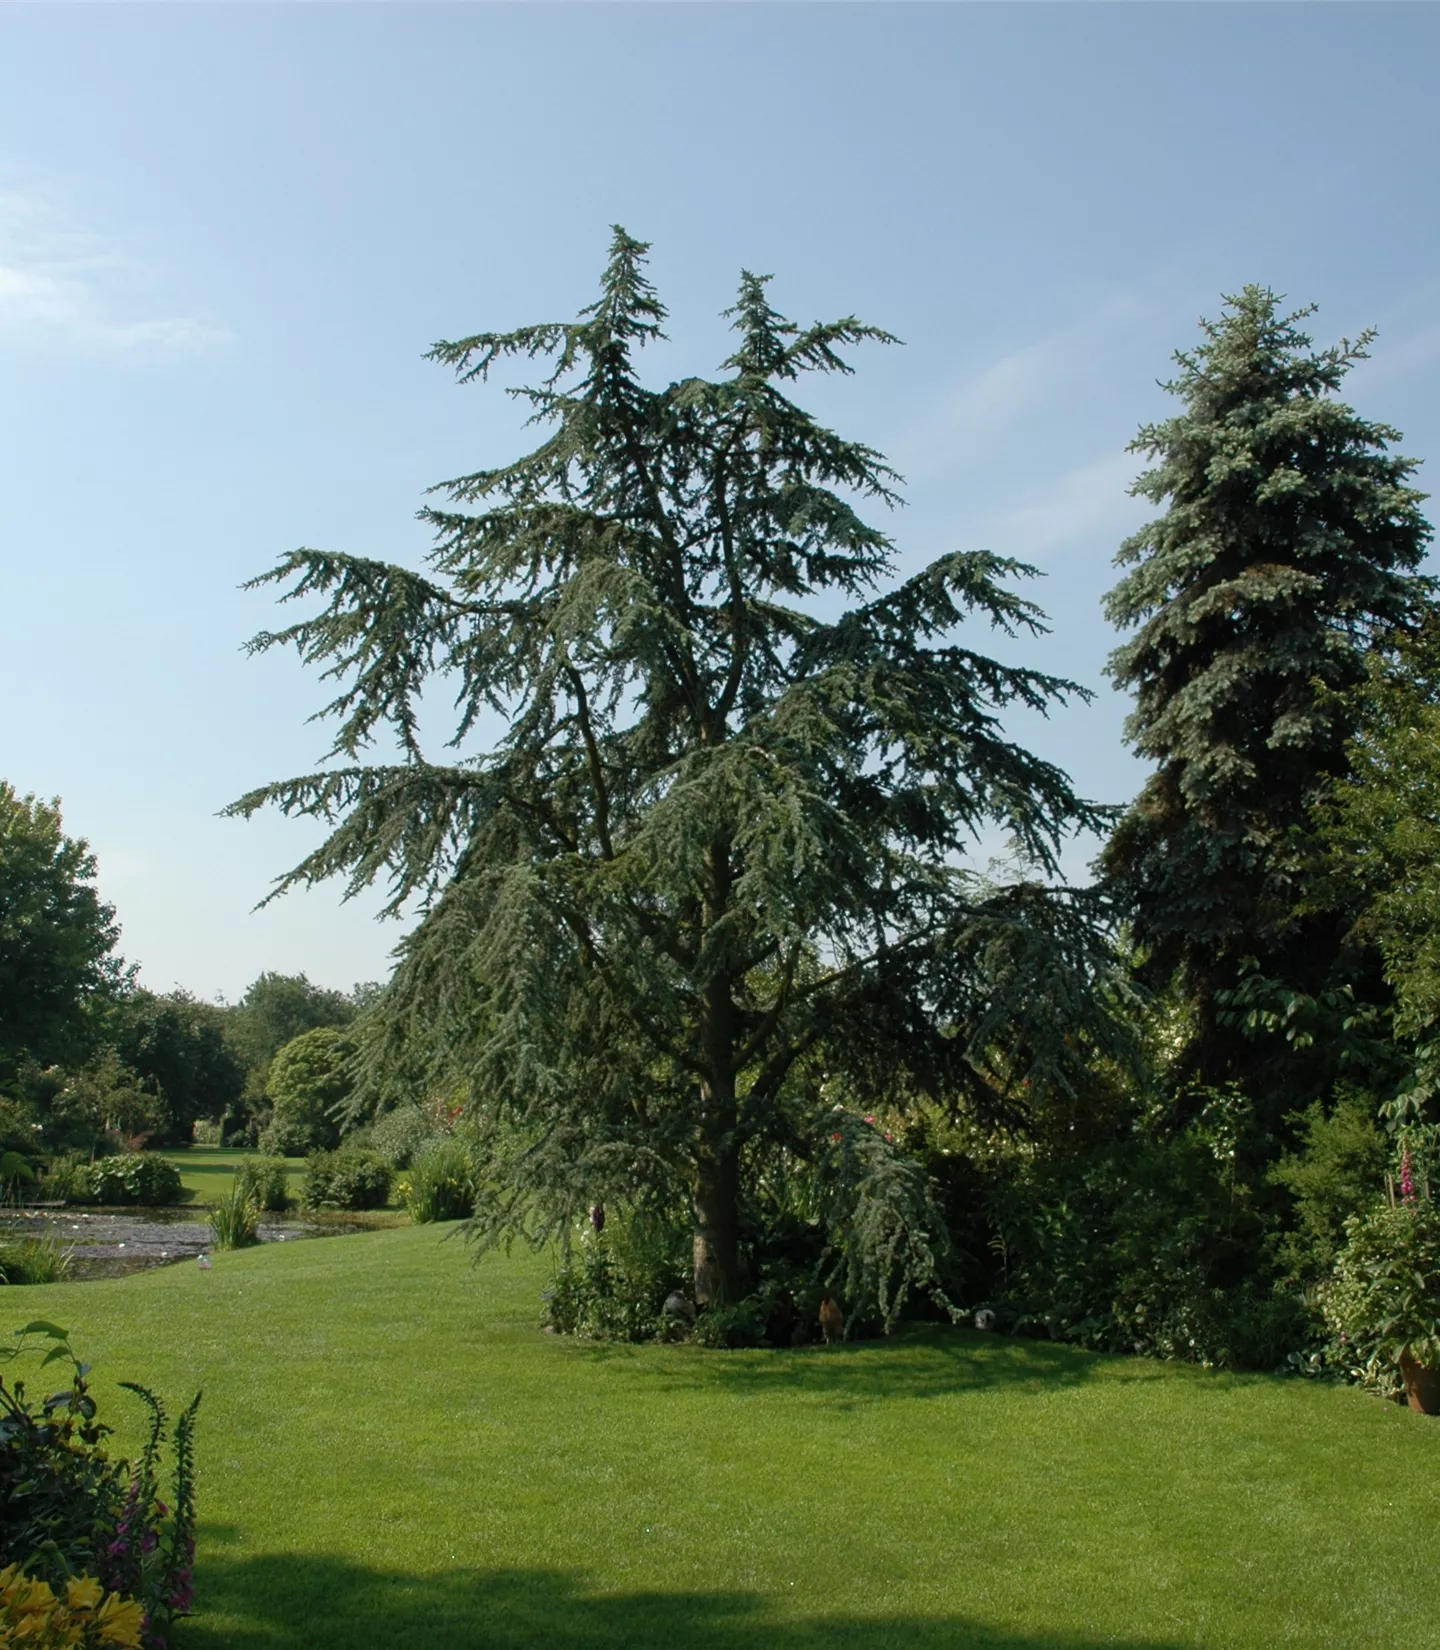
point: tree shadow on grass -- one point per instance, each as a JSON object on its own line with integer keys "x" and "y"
{"x": 325, "y": 1603}
{"x": 925, "y": 1362}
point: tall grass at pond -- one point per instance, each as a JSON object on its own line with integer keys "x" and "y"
{"x": 440, "y": 1183}
{"x": 235, "y": 1219}
{"x": 33, "y": 1260}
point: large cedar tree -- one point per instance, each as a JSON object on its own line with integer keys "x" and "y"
{"x": 709, "y": 870}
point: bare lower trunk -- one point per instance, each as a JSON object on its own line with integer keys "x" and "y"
{"x": 716, "y": 1204}
{"x": 716, "y": 1193}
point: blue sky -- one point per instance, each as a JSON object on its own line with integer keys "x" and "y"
{"x": 227, "y": 234}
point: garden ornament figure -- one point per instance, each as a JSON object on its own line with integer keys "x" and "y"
{"x": 984, "y": 1318}
{"x": 203, "y": 1262}
{"x": 832, "y": 1322}
{"x": 678, "y": 1306}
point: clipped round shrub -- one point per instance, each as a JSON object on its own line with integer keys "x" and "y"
{"x": 134, "y": 1177}
{"x": 346, "y": 1179}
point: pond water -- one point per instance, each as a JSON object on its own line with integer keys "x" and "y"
{"x": 110, "y": 1243}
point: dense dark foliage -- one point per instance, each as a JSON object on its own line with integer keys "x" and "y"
{"x": 181, "y": 1050}
{"x": 275, "y": 1010}
{"x": 1379, "y": 825}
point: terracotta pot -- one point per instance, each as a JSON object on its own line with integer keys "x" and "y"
{"x": 1422, "y": 1384}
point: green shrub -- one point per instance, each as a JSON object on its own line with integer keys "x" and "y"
{"x": 346, "y": 1179}
{"x": 742, "y": 1324}
{"x": 441, "y": 1183}
{"x": 400, "y": 1136}
{"x": 34, "y": 1260}
{"x": 1385, "y": 1293}
{"x": 61, "y": 1493}
{"x": 65, "y": 1179}
{"x": 613, "y": 1283}
{"x": 235, "y": 1220}
{"x": 265, "y": 1182}
{"x": 1339, "y": 1171}
{"x": 285, "y": 1137}
{"x": 135, "y": 1177}
{"x": 1153, "y": 1244}
{"x": 72, "y": 1509}
{"x": 207, "y": 1131}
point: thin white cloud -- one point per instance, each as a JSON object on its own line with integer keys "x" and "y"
{"x": 1079, "y": 505}
{"x": 1390, "y": 362}
{"x": 62, "y": 286}
{"x": 1407, "y": 341}
{"x": 997, "y": 397}
{"x": 1011, "y": 388}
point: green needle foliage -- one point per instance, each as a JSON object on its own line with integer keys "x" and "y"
{"x": 713, "y": 860}
{"x": 1287, "y": 551}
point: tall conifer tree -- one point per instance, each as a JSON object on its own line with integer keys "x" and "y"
{"x": 719, "y": 837}
{"x": 1287, "y": 551}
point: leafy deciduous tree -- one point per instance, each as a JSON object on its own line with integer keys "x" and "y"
{"x": 1380, "y": 826}
{"x": 277, "y": 1008}
{"x": 177, "y": 1045}
{"x": 57, "y": 938}
{"x": 309, "y": 1082}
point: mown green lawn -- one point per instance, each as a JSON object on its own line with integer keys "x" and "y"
{"x": 391, "y": 1455}
{"x": 207, "y": 1171}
